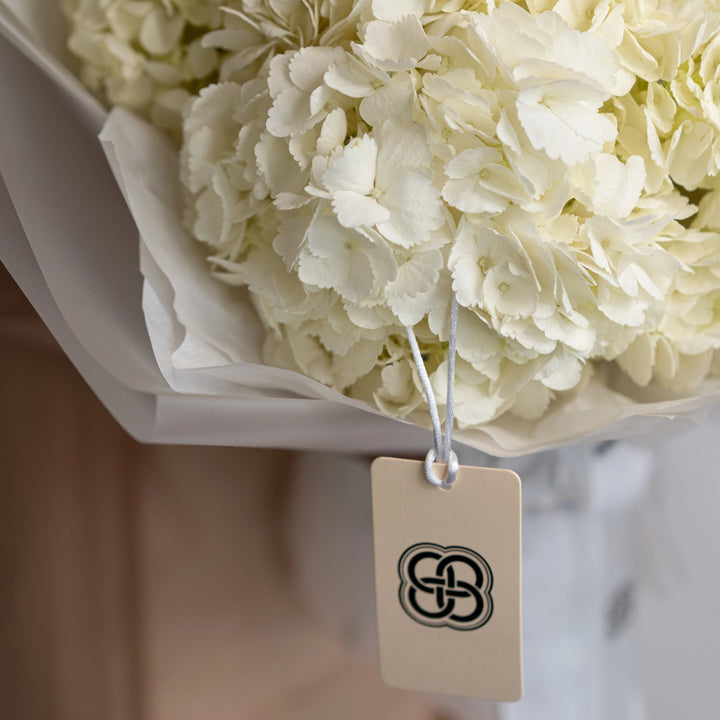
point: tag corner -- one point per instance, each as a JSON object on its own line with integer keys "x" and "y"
{"x": 515, "y": 477}
{"x": 518, "y": 695}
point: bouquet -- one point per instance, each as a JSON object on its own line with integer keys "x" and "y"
{"x": 310, "y": 179}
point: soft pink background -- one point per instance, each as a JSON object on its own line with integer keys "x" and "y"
{"x": 150, "y": 582}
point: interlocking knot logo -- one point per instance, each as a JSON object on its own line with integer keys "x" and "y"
{"x": 445, "y": 586}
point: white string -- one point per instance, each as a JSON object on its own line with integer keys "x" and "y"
{"x": 429, "y": 394}
{"x": 450, "y": 407}
{"x": 442, "y": 451}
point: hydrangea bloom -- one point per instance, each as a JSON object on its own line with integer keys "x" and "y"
{"x": 151, "y": 55}
{"x": 540, "y": 160}
{"x": 146, "y": 55}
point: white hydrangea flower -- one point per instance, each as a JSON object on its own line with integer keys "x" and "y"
{"x": 340, "y": 258}
{"x": 480, "y": 181}
{"x": 146, "y": 55}
{"x": 561, "y": 78}
{"x": 384, "y": 182}
{"x": 362, "y": 160}
{"x": 679, "y": 352}
{"x": 397, "y": 393}
{"x": 151, "y": 55}
{"x": 300, "y": 95}
{"x": 394, "y": 46}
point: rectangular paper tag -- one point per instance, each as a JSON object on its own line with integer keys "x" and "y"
{"x": 448, "y": 580}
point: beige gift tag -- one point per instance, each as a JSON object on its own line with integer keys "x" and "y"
{"x": 447, "y": 580}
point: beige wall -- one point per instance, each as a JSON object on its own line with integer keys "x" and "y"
{"x": 149, "y": 583}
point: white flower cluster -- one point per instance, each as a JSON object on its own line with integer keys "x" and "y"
{"x": 540, "y": 161}
{"x": 146, "y": 55}
{"x": 151, "y": 55}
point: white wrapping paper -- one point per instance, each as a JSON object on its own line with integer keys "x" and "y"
{"x": 174, "y": 355}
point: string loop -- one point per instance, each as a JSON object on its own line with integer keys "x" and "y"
{"x": 452, "y": 470}
{"x": 442, "y": 450}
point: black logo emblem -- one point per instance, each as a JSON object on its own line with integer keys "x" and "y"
{"x": 445, "y": 586}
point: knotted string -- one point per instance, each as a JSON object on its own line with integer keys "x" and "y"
{"x": 442, "y": 450}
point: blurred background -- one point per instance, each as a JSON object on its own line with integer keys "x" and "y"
{"x": 161, "y": 583}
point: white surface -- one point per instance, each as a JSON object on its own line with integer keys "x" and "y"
{"x": 679, "y": 625}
